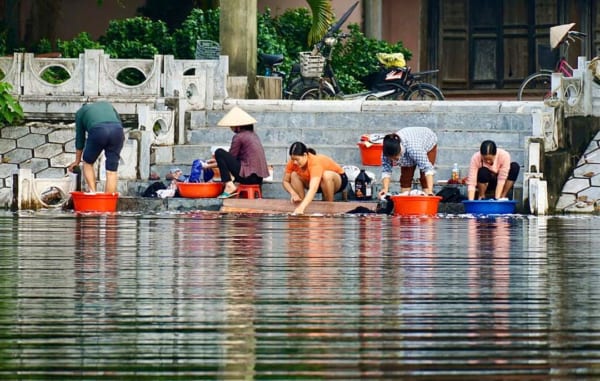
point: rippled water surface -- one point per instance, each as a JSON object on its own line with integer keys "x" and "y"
{"x": 209, "y": 296}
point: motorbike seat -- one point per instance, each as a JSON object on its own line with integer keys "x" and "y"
{"x": 271, "y": 59}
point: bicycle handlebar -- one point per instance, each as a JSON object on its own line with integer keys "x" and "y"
{"x": 576, "y": 34}
{"x": 335, "y": 27}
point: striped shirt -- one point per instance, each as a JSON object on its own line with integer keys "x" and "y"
{"x": 415, "y": 143}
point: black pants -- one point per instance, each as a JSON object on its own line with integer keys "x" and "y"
{"x": 485, "y": 176}
{"x": 230, "y": 165}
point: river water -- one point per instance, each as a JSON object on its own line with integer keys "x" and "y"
{"x": 204, "y": 295}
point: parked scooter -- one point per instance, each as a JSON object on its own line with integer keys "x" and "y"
{"x": 390, "y": 82}
{"x": 317, "y": 79}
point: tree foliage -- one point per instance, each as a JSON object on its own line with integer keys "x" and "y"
{"x": 322, "y": 16}
{"x": 10, "y": 109}
{"x": 287, "y": 34}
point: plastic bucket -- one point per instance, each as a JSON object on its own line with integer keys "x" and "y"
{"x": 370, "y": 155}
{"x": 489, "y": 206}
{"x": 94, "y": 202}
{"x": 415, "y": 205}
{"x": 200, "y": 190}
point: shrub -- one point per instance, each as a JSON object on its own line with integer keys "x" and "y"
{"x": 137, "y": 37}
{"x": 199, "y": 25}
{"x": 76, "y": 46}
{"x": 10, "y": 109}
{"x": 285, "y": 34}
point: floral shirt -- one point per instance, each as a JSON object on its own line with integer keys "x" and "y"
{"x": 415, "y": 143}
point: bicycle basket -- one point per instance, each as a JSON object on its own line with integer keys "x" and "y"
{"x": 546, "y": 57}
{"x": 207, "y": 50}
{"x": 311, "y": 65}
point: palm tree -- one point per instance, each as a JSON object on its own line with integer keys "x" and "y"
{"x": 322, "y": 13}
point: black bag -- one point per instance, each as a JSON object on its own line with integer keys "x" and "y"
{"x": 450, "y": 194}
{"x": 152, "y": 188}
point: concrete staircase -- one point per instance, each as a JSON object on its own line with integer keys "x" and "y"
{"x": 334, "y": 128}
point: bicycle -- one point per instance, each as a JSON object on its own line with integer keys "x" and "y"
{"x": 389, "y": 83}
{"x": 393, "y": 81}
{"x": 538, "y": 84}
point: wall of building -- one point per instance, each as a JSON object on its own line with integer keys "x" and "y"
{"x": 339, "y": 7}
{"x": 402, "y": 21}
{"x": 76, "y": 16}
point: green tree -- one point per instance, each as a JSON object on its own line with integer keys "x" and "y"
{"x": 322, "y": 16}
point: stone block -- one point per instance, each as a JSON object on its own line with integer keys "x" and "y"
{"x": 51, "y": 173}
{"x": 12, "y": 132}
{"x": 61, "y": 135}
{"x": 396, "y": 107}
{"x": 18, "y": 155}
{"x": 37, "y": 165}
{"x": 470, "y": 107}
{"x": 161, "y": 155}
{"x": 7, "y": 170}
{"x": 327, "y": 106}
{"x": 187, "y": 154}
{"x": 7, "y": 144}
{"x": 62, "y": 160}
{"x": 31, "y": 141}
{"x": 128, "y": 165}
{"x": 220, "y": 135}
{"x": 6, "y": 196}
{"x": 590, "y": 194}
{"x": 575, "y": 185}
{"x": 48, "y": 150}
{"x": 197, "y": 119}
{"x": 70, "y": 146}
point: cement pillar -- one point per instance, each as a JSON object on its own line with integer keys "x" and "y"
{"x": 373, "y": 22}
{"x": 237, "y": 35}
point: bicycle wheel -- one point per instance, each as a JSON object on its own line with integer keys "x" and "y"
{"x": 424, "y": 92}
{"x": 399, "y": 94}
{"x": 298, "y": 86}
{"x": 316, "y": 92}
{"x": 536, "y": 87}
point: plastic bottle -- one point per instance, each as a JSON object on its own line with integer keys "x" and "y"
{"x": 362, "y": 186}
{"x": 455, "y": 173}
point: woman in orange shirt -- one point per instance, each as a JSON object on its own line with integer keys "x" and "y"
{"x": 315, "y": 173}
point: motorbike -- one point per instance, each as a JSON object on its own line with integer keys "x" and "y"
{"x": 314, "y": 77}
{"x": 390, "y": 82}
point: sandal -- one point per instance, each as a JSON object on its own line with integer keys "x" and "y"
{"x": 227, "y": 195}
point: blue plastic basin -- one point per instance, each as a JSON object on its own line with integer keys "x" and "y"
{"x": 489, "y": 206}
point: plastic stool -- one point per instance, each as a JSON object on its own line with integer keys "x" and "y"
{"x": 249, "y": 191}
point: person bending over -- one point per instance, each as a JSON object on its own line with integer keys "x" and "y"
{"x": 98, "y": 128}
{"x": 308, "y": 173}
{"x": 491, "y": 170}
{"x": 409, "y": 148}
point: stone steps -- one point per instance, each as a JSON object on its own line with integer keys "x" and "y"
{"x": 334, "y": 128}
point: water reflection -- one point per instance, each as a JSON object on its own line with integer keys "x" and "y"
{"x": 209, "y": 296}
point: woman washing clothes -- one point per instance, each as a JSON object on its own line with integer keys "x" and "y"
{"x": 245, "y": 162}
{"x": 409, "y": 148}
{"x": 491, "y": 170}
{"x": 308, "y": 173}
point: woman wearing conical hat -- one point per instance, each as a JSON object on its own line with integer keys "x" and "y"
{"x": 245, "y": 162}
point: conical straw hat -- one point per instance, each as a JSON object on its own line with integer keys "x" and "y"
{"x": 558, "y": 33}
{"x": 236, "y": 117}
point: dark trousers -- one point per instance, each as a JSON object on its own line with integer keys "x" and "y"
{"x": 485, "y": 176}
{"x": 229, "y": 165}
